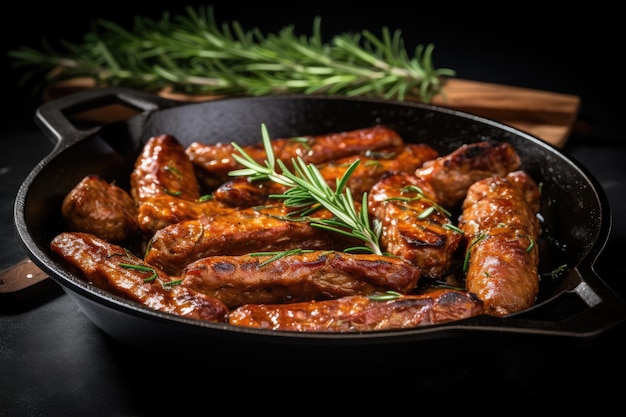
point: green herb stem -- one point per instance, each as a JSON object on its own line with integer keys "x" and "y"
{"x": 307, "y": 190}
{"x": 192, "y": 54}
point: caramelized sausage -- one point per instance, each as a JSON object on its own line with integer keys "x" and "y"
{"x": 360, "y": 313}
{"x": 161, "y": 211}
{"x": 237, "y": 233}
{"x": 373, "y": 165}
{"x": 501, "y": 230}
{"x": 299, "y": 276}
{"x": 163, "y": 168}
{"x": 451, "y": 175}
{"x": 114, "y": 269}
{"x": 165, "y": 187}
{"x": 414, "y": 227}
{"x": 103, "y": 209}
{"x": 216, "y": 160}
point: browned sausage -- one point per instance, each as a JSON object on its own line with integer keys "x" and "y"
{"x": 216, "y": 160}
{"x": 237, "y": 233}
{"x": 451, "y": 175}
{"x": 165, "y": 187}
{"x": 360, "y": 313}
{"x": 299, "y": 276}
{"x": 114, "y": 269}
{"x": 501, "y": 230}
{"x": 161, "y": 211}
{"x": 414, "y": 227}
{"x": 373, "y": 165}
{"x": 103, "y": 209}
{"x": 163, "y": 168}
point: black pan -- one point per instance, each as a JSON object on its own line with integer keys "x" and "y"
{"x": 575, "y": 305}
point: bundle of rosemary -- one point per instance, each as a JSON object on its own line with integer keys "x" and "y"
{"x": 192, "y": 54}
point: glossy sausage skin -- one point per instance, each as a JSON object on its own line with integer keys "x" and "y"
{"x": 216, "y": 161}
{"x": 237, "y": 233}
{"x": 501, "y": 231}
{"x": 103, "y": 209}
{"x": 163, "y": 168}
{"x": 157, "y": 212}
{"x": 360, "y": 313}
{"x": 373, "y": 165}
{"x": 399, "y": 202}
{"x": 451, "y": 175}
{"x": 301, "y": 276}
{"x": 164, "y": 186}
{"x": 101, "y": 263}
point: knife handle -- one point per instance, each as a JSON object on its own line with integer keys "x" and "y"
{"x": 20, "y": 276}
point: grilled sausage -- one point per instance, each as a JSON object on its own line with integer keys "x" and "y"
{"x": 451, "y": 175}
{"x": 103, "y": 209}
{"x": 360, "y": 313}
{"x": 163, "y": 168}
{"x": 376, "y": 164}
{"x": 161, "y": 211}
{"x": 112, "y": 268}
{"x": 216, "y": 160}
{"x": 414, "y": 227}
{"x": 298, "y": 276}
{"x": 164, "y": 186}
{"x": 237, "y": 233}
{"x": 373, "y": 165}
{"x": 501, "y": 230}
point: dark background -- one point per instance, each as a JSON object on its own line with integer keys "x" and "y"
{"x": 572, "y": 50}
{"x": 575, "y": 51}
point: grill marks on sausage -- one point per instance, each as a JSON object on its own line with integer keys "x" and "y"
{"x": 165, "y": 188}
{"x": 451, "y": 175}
{"x": 360, "y": 313}
{"x": 163, "y": 168}
{"x": 101, "y": 263}
{"x": 373, "y": 165}
{"x": 317, "y": 275}
{"x": 398, "y": 202}
{"x": 216, "y": 161}
{"x": 501, "y": 231}
{"x": 237, "y": 233}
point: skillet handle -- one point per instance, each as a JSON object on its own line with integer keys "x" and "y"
{"x": 53, "y": 118}
{"x": 585, "y": 312}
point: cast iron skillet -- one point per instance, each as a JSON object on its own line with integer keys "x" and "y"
{"x": 575, "y": 304}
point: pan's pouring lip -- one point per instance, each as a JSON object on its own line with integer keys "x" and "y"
{"x": 603, "y": 309}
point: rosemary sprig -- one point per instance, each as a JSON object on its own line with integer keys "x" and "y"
{"x": 193, "y": 54}
{"x": 307, "y": 190}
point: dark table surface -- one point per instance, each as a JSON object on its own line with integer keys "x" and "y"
{"x": 55, "y": 361}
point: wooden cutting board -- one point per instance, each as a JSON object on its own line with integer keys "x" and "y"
{"x": 546, "y": 115}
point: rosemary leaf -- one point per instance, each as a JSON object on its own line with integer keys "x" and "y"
{"x": 308, "y": 190}
{"x": 193, "y": 54}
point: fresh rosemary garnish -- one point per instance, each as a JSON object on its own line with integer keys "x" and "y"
{"x": 307, "y": 190}
{"x": 556, "y": 273}
{"x": 172, "y": 193}
{"x": 420, "y": 196}
{"x": 154, "y": 276}
{"x": 205, "y": 197}
{"x": 386, "y": 296}
{"x": 277, "y": 255}
{"x": 174, "y": 170}
{"x": 468, "y": 252}
{"x": 142, "y": 268}
{"x": 192, "y": 54}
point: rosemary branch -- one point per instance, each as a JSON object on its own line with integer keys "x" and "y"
{"x": 307, "y": 189}
{"x": 192, "y": 54}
